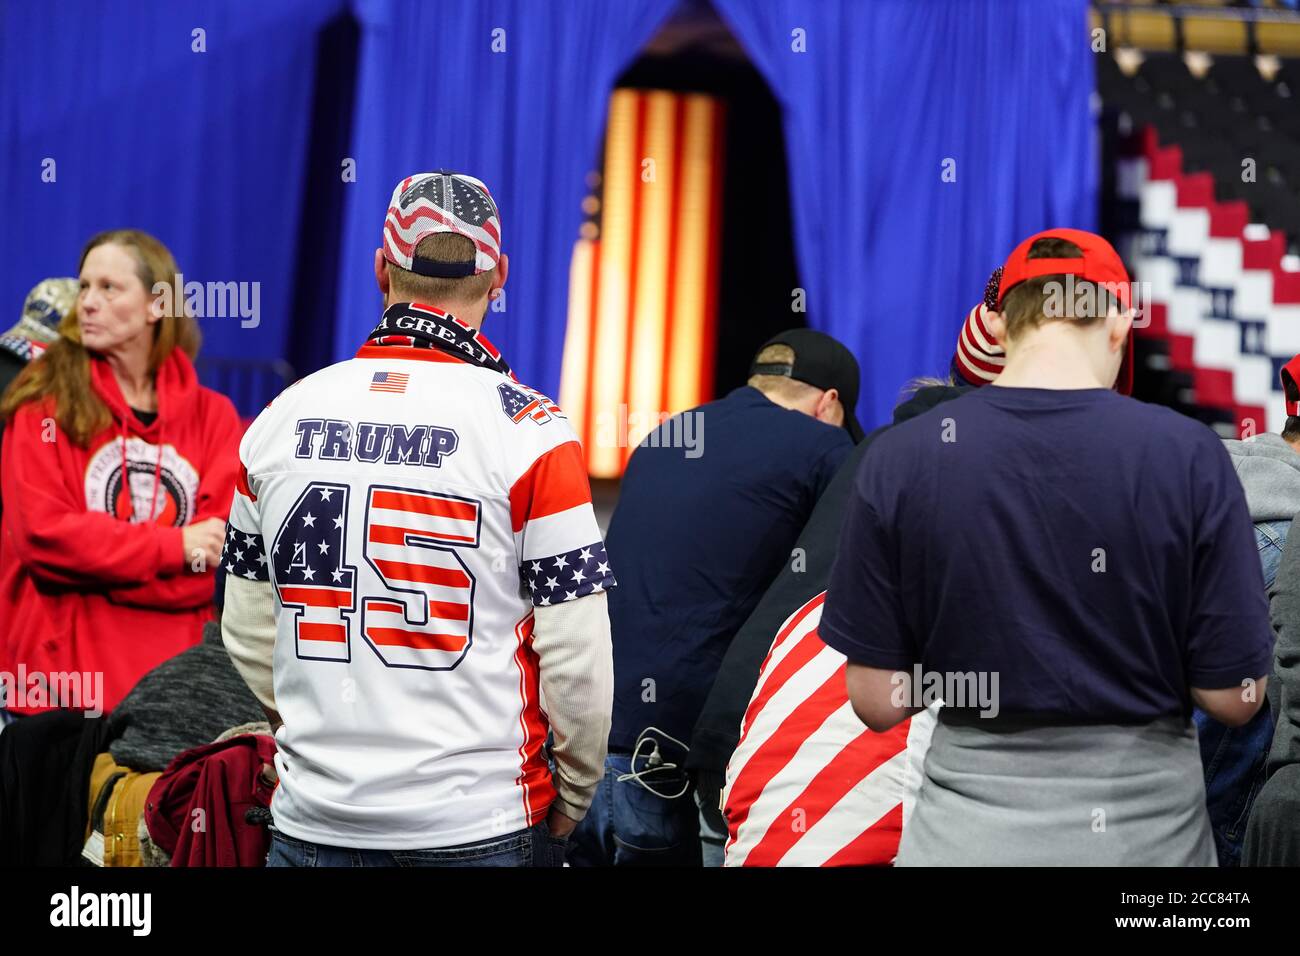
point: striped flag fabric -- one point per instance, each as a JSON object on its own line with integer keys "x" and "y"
{"x": 979, "y": 358}
{"x": 407, "y": 542}
{"x": 809, "y": 785}
{"x": 389, "y": 382}
{"x": 643, "y": 275}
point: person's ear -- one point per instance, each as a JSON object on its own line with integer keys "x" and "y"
{"x": 381, "y": 272}
{"x": 503, "y": 269}
{"x": 1119, "y": 330}
{"x": 829, "y": 408}
{"x": 997, "y": 326}
{"x": 154, "y": 311}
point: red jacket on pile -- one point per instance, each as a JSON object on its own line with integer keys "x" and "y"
{"x": 87, "y": 582}
{"x": 196, "y": 810}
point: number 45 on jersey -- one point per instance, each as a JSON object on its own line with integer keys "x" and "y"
{"x": 424, "y": 617}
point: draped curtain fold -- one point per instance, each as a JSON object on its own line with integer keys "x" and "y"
{"x": 514, "y": 92}
{"x": 123, "y": 115}
{"x": 925, "y": 138}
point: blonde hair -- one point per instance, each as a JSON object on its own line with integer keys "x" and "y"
{"x": 62, "y": 372}
{"x": 914, "y": 385}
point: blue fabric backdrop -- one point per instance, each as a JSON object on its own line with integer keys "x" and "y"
{"x": 204, "y": 150}
{"x": 892, "y": 257}
{"x": 229, "y": 156}
{"x": 528, "y": 121}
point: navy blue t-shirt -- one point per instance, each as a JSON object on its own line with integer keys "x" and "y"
{"x": 697, "y": 540}
{"x": 1094, "y": 551}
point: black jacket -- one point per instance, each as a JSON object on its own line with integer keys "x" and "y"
{"x": 45, "y": 764}
{"x": 804, "y": 577}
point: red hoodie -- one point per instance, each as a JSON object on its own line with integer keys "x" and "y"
{"x": 87, "y": 582}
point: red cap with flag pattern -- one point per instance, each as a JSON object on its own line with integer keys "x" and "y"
{"x": 429, "y": 203}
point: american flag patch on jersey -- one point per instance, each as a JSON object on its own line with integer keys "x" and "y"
{"x": 389, "y": 382}
{"x": 520, "y": 403}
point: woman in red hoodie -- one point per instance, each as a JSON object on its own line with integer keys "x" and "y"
{"x": 118, "y": 474}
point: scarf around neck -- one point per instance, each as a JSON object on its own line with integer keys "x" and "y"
{"x": 414, "y": 325}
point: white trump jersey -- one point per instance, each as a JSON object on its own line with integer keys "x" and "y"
{"x": 409, "y": 507}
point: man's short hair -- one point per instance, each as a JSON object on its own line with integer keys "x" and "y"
{"x": 1054, "y": 298}
{"x": 1291, "y": 430}
{"x": 407, "y": 286}
{"x": 780, "y": 386}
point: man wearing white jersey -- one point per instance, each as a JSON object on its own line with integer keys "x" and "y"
{"x": 415, "y": 577}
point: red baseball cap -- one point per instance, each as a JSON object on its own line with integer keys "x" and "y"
{"x": 1098, "y": 263}
{"x": 1289, "y": 375}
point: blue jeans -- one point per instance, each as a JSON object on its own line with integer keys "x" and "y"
{"x": 532, "y": 847}
{"x": 713, "y": 832}
{"x": 1234, "y": 760}
{"x": 1270, "y": 539}
{"x": 629, "y": 825}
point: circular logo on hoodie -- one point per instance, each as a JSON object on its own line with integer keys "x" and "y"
{"x": 172, "y": 495}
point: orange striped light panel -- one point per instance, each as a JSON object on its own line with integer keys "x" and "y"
{"x": 642, "y": 295}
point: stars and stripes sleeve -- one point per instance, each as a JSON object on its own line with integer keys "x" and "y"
{"x": 248, "y": 615}
{"x": 562, "y": 556}
{"x": 243, "y": 555}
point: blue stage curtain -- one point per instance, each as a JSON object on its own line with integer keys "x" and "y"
{"x": 203, "y": 149}
{"x": 891, "y": 256}
{"x": 432, "y": 93}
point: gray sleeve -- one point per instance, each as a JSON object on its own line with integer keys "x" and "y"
{"x": 1284, "y": 609}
